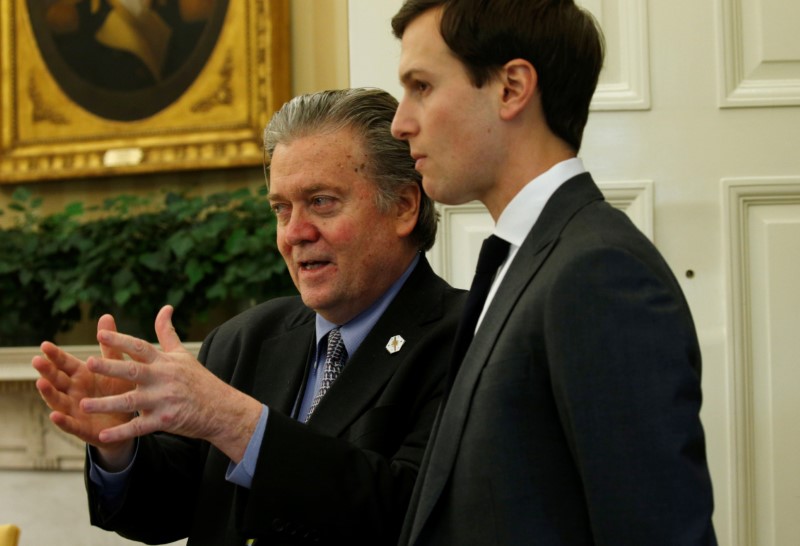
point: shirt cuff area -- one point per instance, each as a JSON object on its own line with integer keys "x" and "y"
{"x": 242, "y": 474}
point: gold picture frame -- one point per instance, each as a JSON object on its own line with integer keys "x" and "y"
{"x": 54, "y": 125}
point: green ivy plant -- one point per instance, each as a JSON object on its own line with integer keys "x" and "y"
{"x": 130, "y": 256}
{"x": 28, "y": 249}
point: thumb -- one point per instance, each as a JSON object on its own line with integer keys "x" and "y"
{"x": 165, "y": 331}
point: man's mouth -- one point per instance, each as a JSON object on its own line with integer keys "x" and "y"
{"x": 312, "y": 265}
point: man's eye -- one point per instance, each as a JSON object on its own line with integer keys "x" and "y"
{"x": 321, "y": 201}
{"x": 279, "y": 208}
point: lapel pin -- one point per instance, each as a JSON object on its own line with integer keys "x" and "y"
{"x": 395, "y": 344}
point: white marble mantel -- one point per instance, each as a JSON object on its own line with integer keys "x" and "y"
{"x": 28, "y": 440}
{"x": 15, "y": 362}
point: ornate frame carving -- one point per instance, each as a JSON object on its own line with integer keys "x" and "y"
{"x": 216, "y": 122}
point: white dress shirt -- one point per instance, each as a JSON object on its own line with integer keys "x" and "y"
{"x": 521, "y": 213}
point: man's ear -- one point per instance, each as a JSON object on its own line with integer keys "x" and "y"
{"x": 520, "y": 84}
{"x": 407, "y": 209}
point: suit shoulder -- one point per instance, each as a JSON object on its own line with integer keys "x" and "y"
{"x": 275, "y": 315}
{"x": 430, "y": 296}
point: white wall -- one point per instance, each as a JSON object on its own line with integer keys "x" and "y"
{"x": 374, "y": 53}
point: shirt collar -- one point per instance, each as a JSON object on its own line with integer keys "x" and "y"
{"x": 524, "y": 209}
{"x": 354, "y": 332}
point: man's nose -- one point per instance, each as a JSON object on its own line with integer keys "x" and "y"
{"x": 300, "y": 229}
{"x": 403, "y": 125}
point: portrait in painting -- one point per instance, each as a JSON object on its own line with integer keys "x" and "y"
{"x": 126, "y": 60}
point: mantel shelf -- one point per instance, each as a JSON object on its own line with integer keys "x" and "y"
{"x": 15, "y": 362}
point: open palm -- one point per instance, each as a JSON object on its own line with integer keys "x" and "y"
{"x": 65, "y": 381}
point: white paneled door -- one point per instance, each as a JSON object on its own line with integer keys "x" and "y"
{"x": 695, "y": 133}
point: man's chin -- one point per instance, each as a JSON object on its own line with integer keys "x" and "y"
{"x": 441, "y": 193}
{"x": 316, "y": 300}
{"x": 433, "y": 188}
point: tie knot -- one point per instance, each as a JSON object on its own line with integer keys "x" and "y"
{"x": 493, "y": 251}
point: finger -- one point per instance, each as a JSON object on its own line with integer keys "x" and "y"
{"x": 129, "y": 370}
{"x": 70, "y": 425}
{"x": 55, "y": 399}
{"x": 137, "y": 349}
{"x": 127, "y": 431}
{"x": 127, "y": 402}
{"x": 107, "y": 322}
{"x": 54, "y": 376}
{"x": 165, "y": 331}
{"x": 73, "y": 426}
{"x": 61, "y": 359}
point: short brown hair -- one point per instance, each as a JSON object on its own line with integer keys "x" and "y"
{"x": 562, "y": 41}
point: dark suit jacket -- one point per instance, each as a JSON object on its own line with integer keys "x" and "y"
{"x": 573, "y": 419}
{"x": 345, "y": 477}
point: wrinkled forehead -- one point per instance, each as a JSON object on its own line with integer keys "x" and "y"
{"x": 327, "y": 160}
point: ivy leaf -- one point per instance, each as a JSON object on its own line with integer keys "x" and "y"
{"x": 155, "y": 261}
{"x": 181, "y": 244}
{"x": 195, "y": 271}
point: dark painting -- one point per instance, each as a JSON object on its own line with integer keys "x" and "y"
{"x": 126, "y": 60}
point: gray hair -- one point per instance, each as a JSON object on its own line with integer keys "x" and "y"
{"x": 369, "y": 113}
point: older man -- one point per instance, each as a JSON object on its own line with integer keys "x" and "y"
{"x": 308, "y": 421}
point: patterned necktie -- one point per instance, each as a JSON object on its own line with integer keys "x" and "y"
{"x": 493, "y": 251}
{"x": 334, "y": 362}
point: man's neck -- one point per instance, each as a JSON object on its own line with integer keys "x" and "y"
{"x": 520, "y": 169}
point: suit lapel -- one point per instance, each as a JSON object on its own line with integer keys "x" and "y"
{"x": 280, "y": 379}
{"x": 572, "y": 196}
{"x": 372, "y": 366}
{"x": 364, "y": 375}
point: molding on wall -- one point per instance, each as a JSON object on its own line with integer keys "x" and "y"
{"x": 740, "y": 197}
{"x": 28, "y": 440}
{"x": 746, "y": 77}
{"x": 470, "y": 223}
{"x": 462, "y": 228}
{"x": 635, "y": 198}
{"x": 631, "y": 53}
{"x": 15, "y": 362}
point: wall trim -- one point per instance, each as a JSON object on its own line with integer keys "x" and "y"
{"x": 15, "y": 362}
{"x": 441, "y": 255}
{"x": 634, "y": 197}
{"x": 29, "y": 440}
{"x": 746, "y": 86}
{"x": 632, "y": 91}
{"x": 739, "y": 195}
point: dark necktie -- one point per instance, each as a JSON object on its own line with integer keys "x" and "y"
{"x": 493, "y": 251}
{"x": 334, "y": 362}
